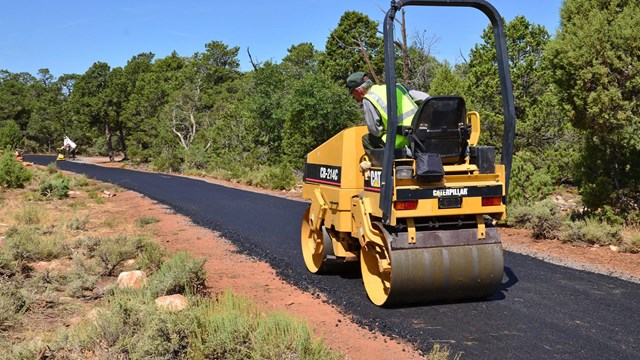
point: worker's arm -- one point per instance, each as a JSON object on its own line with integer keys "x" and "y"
{"x": 418, "y": 96}
{"x": 372, "y": 118}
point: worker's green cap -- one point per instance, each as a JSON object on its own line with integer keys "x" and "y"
{"x": 356, "y": 79}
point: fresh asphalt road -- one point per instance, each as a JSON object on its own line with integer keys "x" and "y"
{"x": 543, "y": 311}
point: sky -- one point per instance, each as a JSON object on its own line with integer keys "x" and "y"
{"x": 68, "y": 36}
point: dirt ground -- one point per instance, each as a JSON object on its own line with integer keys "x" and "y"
{"x": 227, "y": 269}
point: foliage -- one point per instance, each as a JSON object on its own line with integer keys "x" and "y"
{"x": 227, "y": 328}
{"x": 317, "y": 109}
{"x": 12, "y": 173}
{"x": 10, "y": 135}
{"x": 145, "y": 220}
{"x": 594, "y": 58}
{"x": 276, "y": 177}
{"x": 27, "y": 244}
{"x": 13, "y": 303}
{"x": 354, "y": 45}
{"x": 56, "y": 186}
{"x": 542, "y": 218}
{"x": 592, "y": 232}
{"x": 179, "y": 275}
{"x": 529, "y": 182}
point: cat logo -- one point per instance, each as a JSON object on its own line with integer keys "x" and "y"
{"x": 375, "y": 178}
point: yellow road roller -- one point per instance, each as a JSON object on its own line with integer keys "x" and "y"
{"x": 418, "y": 219}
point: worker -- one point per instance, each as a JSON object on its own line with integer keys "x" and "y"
{"x": 374, "y": 103}
{"x": 70, "y": 147}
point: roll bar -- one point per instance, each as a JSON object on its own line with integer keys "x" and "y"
{"x": 386, "y": 193}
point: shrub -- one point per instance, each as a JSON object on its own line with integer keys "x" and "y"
{"x": 543, "y": 218}
{"x": 12, "y": 173}
{"x": 27, "y": 244}
{"x": 178, "y": 275}
{"x": 592, "y": 232}
{"x": 276, "y": 177}
{"x": 56, "y": 186}
{"x": 130, "y": 326}
{"x": 13, "y": 303}
{"x": 78, "y": 181}
{"x": 150, "y": 257}
{"x": 528, "y": 183}
{"x": 144, "y": 220}
{"x": 111, "y": 252}
{"x": 29, "y": 215}
{"x": 77, "y": 223}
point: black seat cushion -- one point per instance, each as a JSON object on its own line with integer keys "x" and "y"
{"x": 440, "y": 127}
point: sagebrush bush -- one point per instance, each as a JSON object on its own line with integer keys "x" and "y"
{"x": 179, "y": 275}
{"x": 592, "y": 232}
{"x": 56, "y": 186}
{"x": 150, "y": 257}
{"x": 13, "y": 303}
{"x": 113, "y": 251}
{"x": 543, "y": 218}
{"x": 12, "y": 173}
{"x": 631, "y": 245}
{"x": 145, "y": 220}
{"x": 77, "y": 223}
{"x": 28, "y": 244}
{"x": 29, "y": 215}
{"x": 78, "y": 181}
{"x": 230, "y": 327}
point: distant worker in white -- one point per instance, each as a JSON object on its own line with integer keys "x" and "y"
{"x": 70, "y": 148}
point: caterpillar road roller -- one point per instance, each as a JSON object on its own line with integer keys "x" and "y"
{"x": 418, "y": 219}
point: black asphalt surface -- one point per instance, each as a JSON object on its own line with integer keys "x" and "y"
{"x": 543, "y": 311}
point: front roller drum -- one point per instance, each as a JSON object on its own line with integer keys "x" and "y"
{"x": 433, "y": 274}
{"x": 317, "y": 247}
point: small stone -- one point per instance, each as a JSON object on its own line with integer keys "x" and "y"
{"x": 614, "y": 248}
{"x": 134, "y": 279}
{"x": 172, "y": 303}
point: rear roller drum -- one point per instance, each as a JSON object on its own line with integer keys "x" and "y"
{"x": 317, "y": 248}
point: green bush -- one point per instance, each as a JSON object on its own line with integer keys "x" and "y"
{"x": 29, "y": 215}
{"x": 543, "y": 218}
{"x": 592, "y": 232}
{"x": 78, "y": 181}
{"x": 131, "y": 326}
{"x": 13, "y": 303}
{"x": 112, "y": 252}
{"x": 150, "y": 257}
{"x": 77, "y": 223}
{"x": 528, "y": 183}
{"x": 276, "y": 177}
{"x": 28, "y": 244}
{"x": 179, "y": 275}
{"x": 10, "y": 136}
{"x": 56, "y": 186}
{"x": 12, "y": 173}
{"x": 631, "y": 245}
{"x": 144, "y": 220}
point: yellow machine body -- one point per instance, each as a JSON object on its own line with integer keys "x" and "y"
{"x": 439, "y": 244}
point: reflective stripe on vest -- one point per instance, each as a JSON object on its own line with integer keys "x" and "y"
{"x": 377, "y": 95}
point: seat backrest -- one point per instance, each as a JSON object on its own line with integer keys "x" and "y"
{"x": 440, "y": 127}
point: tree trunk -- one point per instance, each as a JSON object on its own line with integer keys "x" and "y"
{"x": 405, "y": 51}
{"x": 108, "y": 134}
{"x": 123, "y": 142}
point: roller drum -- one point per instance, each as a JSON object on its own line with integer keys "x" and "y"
{"x": 436, "y": 268}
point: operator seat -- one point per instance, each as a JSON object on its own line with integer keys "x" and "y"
{"x": 440, "y": 127}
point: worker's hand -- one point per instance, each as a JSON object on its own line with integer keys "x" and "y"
{"x": 365, "y": 165}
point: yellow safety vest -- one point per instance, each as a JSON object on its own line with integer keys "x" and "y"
{"x": 377, "y": 94}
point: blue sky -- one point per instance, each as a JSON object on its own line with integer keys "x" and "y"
{"x": 69, "y": 36}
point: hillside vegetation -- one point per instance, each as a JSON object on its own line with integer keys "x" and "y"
{"x": 576, "y": 97}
